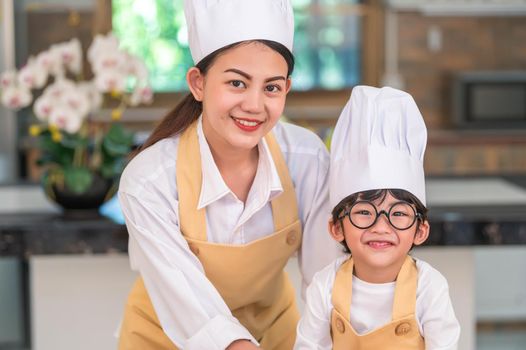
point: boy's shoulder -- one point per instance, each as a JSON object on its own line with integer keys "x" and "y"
{"x": 327, "y": 274}
{"x": 429, "y": 277}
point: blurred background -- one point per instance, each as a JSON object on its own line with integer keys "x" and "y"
{"x": 64, "y": 274}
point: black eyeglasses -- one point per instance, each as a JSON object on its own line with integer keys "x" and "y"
{"x": 363, "y": 214}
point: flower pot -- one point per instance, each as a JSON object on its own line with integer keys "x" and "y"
{"x": 99, "y": 192}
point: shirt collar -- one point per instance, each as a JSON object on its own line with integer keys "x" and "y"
{"x": 213, "y": 187}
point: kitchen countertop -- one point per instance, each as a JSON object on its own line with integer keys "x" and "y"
{"x": 463, "y": 211}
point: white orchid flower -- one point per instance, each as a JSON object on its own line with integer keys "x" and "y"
{"x": 43, "y": 107}
{"x": 114, "y": 60}
{"x": 16, "y": 97}
{"x": 94, "y": 95}
{"x": 71, "y": 55}
{"x": 77, "y": 100}
{"x": 8, "y": 78}
{"x": 101, "y": 44}
{"x": 66, "y": 118}
{"x": 110, "y": 81}
{"x": 32, "y": 75}
{"x": 141, "y": 95}
{"x": 50, "y": 61}
{"x": 58, "y": 88}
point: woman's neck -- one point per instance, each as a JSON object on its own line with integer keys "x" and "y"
{"x": 227, "y": 158}
{"x": 237, "y": 167}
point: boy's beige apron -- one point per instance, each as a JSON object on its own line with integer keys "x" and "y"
{"x": 401, "y": 333}
{"x": 249, "y": 277}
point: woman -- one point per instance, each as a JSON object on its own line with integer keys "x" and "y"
{"x": 216, "y": 201}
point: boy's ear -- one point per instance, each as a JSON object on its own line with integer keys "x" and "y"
{"x": 422, "y": 233}
{"x": 195, "y": 80}
{"x": 336, "y": 230}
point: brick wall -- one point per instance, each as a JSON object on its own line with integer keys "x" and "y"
{"x": 468, "y": 43}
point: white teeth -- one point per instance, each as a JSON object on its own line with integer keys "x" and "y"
{"x": 246, "y": 122}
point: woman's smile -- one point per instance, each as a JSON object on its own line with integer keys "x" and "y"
{"x": 246, "y": 124}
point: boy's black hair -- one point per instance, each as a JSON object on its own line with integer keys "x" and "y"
{"x": 373, "y": 195}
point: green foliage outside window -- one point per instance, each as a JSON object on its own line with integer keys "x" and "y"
{"x": 327, "y": 44}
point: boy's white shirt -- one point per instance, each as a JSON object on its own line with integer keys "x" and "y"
{"x": 372, "y": 305}
{"x": 190, "y": 309}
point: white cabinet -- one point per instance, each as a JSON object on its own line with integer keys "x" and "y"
{"x": 500, "y": 282}
{"x": 77, "y": 301}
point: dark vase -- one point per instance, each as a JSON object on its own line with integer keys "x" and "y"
{"x": 83, "y": 204}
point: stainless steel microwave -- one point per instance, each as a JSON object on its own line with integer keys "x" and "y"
{"x": 490, "y": 99}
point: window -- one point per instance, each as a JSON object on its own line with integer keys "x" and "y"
{"x": 327, "y": 42}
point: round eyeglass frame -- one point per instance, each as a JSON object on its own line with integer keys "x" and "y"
{"x": 417, "y": 216}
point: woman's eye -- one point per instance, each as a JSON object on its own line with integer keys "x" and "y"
{"x": 272, "y": 88}
{"x": 363, "y": 212}
{"x": 237, "y": 83}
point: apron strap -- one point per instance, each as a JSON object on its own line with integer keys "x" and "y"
{"x": 404, "y": 302}
{"x": 189, "y": 177}
{"x": 192, "y": 221}
{"x": 284, "y": 206}
{"x": 342, "y": 289}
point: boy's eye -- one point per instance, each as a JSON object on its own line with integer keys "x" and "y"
{"x": 237, "y": 83}
{"x": 363, "y": 212}
{"x": 399, "y": 213}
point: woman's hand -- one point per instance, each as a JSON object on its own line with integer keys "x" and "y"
{"x": 242, "y": 345}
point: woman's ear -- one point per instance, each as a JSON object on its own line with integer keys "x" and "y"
{"x": 288, "y": 85}
{"x": 336, "y": 230}
{"x": 195, "y": 80}
{"x": 421, "y": 233}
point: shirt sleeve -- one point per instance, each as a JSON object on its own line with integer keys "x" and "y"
{"x": 191, "y": 311}
{"x": 440, "y": 327}
{"x": 318, "y": 249}
{"x": 314, "y": 327}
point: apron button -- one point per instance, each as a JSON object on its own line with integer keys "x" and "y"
{"x": 340, "y": 326}
{"x": 291, "y": 238}
{"x": 194, "y": 249}
{"x": 403, "y": 328}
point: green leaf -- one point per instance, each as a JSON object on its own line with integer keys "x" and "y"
{"x": 112, "y": 167}
{"x": 117, "y": 141}
{"x": 78, "y": 180}
{"x": 54, "y": 152}
{"x": 107, "y": 170}
{"x": 73, "y": 141}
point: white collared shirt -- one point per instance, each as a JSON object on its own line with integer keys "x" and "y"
{"x": 372, "y": 307}
{"x": 190, "y": 309}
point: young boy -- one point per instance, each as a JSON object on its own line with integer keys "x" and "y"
{"x": 379, "y": 297}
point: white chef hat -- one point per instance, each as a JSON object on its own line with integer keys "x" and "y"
{"x": 213, "y": 24}
{"x": 379, "y": 142}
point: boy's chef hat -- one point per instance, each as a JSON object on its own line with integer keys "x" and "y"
{"x": 213, "y": 24}
{"x": 379, "y": 142}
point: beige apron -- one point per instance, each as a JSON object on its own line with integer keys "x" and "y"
{"x": 249, "y": 277}
{"x": 401, "y": 333}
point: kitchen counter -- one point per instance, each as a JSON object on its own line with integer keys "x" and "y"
{"x": 463, "y": 211}
{"x": 29, "y": 234}
{"x": 477, "y": 211}
{"x": 32, "y": 225}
